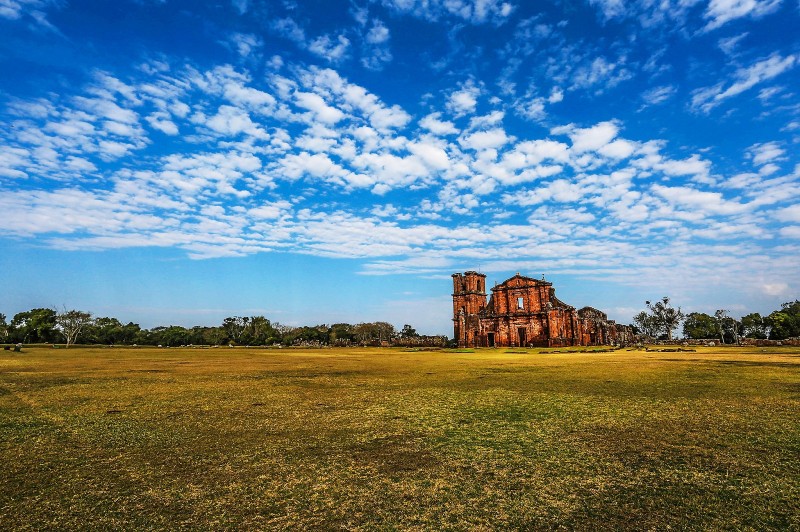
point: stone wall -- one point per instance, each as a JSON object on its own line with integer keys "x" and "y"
{"x": 764, "y": 343}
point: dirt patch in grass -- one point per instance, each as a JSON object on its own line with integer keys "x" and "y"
{"x": 395, "y": 455}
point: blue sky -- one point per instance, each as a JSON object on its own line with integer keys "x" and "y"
{"x": 177, "y": 162}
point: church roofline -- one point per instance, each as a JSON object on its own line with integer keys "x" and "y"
{"x": 470, "y": 272}
{"x": 540, "y": 282}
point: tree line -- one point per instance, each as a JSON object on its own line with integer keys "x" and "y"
{"x": 46, "y": 325}
{"x": 662, "y": 319}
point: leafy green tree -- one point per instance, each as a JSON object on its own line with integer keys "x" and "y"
{"x": 70, "y": 323}
{"x": 784, "y": 323}
{"x": 104, "y": 330}
{"x": 236, "y": 328}
{"x": 172, "y": 336}
{"x": 341, "y": 334}
{"x": 663, "y": 317}
{"x": 754, "y": 326}
{"x": 379, "y": 331}
{"x": 699, "y": 325}
{"x": 262, "y": 332}
{"x": 727, "y": 327}
{"x": 34, "y": 326}
{"x": 286, "y": 333}
{"x": 127, "y": 334}
{"x": 311, "y": 334}
{"x": 200, "y": 335}
{"x": 5, "y": 330}
{"x": 408, "y": 332}
{"x": 645, "y": 324}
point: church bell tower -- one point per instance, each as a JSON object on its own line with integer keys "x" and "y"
{"x": 469, "y": 297}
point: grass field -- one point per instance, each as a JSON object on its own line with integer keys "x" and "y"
{"x": 387, "y": 439}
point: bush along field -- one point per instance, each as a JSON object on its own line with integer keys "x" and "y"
{"x": 102, "y": 438}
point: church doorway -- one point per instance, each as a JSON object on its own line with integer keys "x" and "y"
{"x": 521, "y": 335}
{"x": 490, "y": 339}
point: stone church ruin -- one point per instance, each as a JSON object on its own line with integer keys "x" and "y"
{"x": 525, "y": 312}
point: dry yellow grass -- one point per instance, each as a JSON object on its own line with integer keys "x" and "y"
{"x": 388, "y": 439}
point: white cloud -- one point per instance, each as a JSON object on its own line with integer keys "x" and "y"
{"x": 162, "y": 122}
{"x": 288, "y": 28}
{"x": 246, "y": 43}
{"x": 720, "y": 12}
{"x": 432, "y": 155}
{"x": 378, "y": 33}
{"x": 482, "y": 140}
{"x": 591, "y": 138}
{"x": 789, "y": 214}
{"x": 315, "y": 165}
{"x": 230, "y": 120}
{"x": 618, "y": 149}
{"x": 776, "y": 289}
{"x": 315, "y": 104}
{"x": 658, "y": 95}
{"x": 705, "y": 99}
{"x": 600, "y": 73}
{"x": 270, "y": 211}
{"x": 729, "y": 44}
{"x": 694, "y": 165}
{"x": 436, "y": 126}
{"x": 375, "y": 50}
{"x": 334, "y": 50}
{"x": 240, "y": 5}
{"x": 648, "y": 13}
{"x": 767, "y": 152}
{"x": 473, "y": 11}
{"x": 35, "y": 9}
{"x": 610, "y": 8}
{"x": 708, "y": 202}
{"x": 532, "y": 109}
{"x": 556, "y": 95}
{"x": 464, "y": 101}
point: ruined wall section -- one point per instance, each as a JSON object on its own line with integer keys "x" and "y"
{"x": 520, "y": 295}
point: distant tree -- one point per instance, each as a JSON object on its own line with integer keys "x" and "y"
{"x": 645, "y": 324}
{"x": 105, "y": 330}
{"x": 699, "y": 325}
{"x": 408, "y": 332}
{"x": 726, "y": 326}
{"x": 128, "y": 333}
{"x": 70, "y": 323}
{"x": 379, "y": 331}
{"x": 754, "y": 326}
{"x": 199, "y": 335}
{"x": 666, "y": 317}
{"x": 784, "y": 323}
{"x": 340, "y": 334}
{"x": 317, "y": 334}
{"x": 4, "y": 328}
{"x": 261, "y": 331}
{"x": 386, "y": 331}
{"x": 236, "y": 327}
{"x": 172, "y": 336}
{"x": 35, "y": 325}
{"x": 285, "y": 333}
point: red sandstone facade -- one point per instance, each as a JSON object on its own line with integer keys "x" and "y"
{"x": 525, "y": 312}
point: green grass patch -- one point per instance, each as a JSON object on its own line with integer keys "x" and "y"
{"x": 106, "y": 438}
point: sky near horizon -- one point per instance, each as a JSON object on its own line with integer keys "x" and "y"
{"x": 177, "y": 162}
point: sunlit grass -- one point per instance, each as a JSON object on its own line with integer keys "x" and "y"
{"x": 370, "y": 438}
